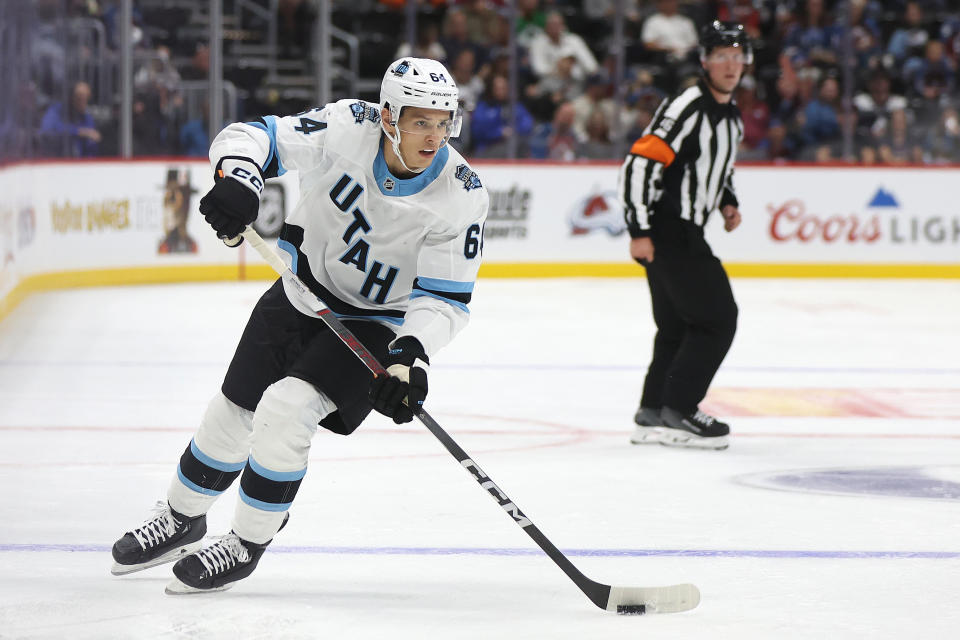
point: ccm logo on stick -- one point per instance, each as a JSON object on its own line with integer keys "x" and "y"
{"x": 495, "y": 491}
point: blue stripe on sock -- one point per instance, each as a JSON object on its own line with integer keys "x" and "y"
{"x": 195, "y": 487}
{"x": 276, "y": 476}
{"x": 263, "y": 506}
{"x": 213, "y": 463}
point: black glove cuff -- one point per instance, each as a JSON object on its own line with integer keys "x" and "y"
{"x": 406, "y": 350}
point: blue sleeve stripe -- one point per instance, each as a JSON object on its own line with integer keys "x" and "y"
{"x": 417, "y": 293}
{"x": 212, "y": 462}
{"x": 272, "y": 132}
{"x": 276, "y": 476}
{"x": 193, "y": 486}
{"x": 268, "y": 125}
{"x": 264, "y": 506}
{"x": 292, "y": 250}
{"x": 453, "y": 286}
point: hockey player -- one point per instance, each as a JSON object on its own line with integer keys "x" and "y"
{"x": 674, "y": 177}
{"x": 387, "y": 233}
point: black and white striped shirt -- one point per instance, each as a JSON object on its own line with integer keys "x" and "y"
{"x": 683, "y": 164}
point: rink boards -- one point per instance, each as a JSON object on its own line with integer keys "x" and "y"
{"x": 111, "y": 222}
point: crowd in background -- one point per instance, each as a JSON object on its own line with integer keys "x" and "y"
{"x": 870, "y": 81}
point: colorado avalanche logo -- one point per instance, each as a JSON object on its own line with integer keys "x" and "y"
{"x": 401, "y": 68}
{"x": 469, "y": 178}
{"x": 362, "y": 111}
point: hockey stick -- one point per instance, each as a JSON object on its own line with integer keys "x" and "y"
{"x": 626, "y": 600}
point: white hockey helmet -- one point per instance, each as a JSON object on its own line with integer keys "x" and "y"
{"x": 420, "y": 82}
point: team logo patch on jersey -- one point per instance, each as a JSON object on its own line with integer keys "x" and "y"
{"x": 469, "y": 178}
{"x": 389, "y": 184}
{"x": 363, "y": 111}
{"x": 401, "y": 68}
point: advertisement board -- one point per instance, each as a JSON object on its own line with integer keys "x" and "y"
{"x": 108, "y": 222}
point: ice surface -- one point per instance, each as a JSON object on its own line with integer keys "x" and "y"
{"x": 835, "y": 512}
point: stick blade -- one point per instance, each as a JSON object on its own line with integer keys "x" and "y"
{"x": 672, "y": 599}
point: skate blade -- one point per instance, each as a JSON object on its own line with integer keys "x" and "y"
{"x": 171, "y": 556}
{"x": 177, "y": 588}
{"x": 690, "y": 441}
{"x": 646, "y": 435}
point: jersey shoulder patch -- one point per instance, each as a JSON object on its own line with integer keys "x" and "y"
{"x": 468, "y": 177}
{"x": 363, "y": 111}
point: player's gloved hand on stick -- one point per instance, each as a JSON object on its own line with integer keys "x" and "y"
{"x": 229, "y": 207}
{"x": 407, "y": 366}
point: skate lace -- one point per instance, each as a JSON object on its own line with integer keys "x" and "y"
{"x": 158, "y": 528}
{"x": 704, "y": 419}
{"x": 225, "y": 553}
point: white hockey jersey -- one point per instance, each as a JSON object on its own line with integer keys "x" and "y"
{"x": 370, "y": 245}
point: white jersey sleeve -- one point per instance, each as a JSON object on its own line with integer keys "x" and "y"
{"x": 446, "y": 271}
{"x": 273, "y": 144}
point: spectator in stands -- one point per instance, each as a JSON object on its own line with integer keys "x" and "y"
{"x": 596, "y": 97}
{"x": 950, "y": 35}
{"x": 641, "y": 100}
{"x": 70, "y": 129}
{"x": 553, "y": 89}
{"x": 531, "y": 21}
{"x": 556, "y": 43}
{"x": 876, "y": 105}
{"x": 942, "y": 142}
{"x": 865, "y": 35}
{"x": 910, "y": 38}
{"x": 860, "y": 150}
{"x": 931, "y": 102}
{"x": 111, "y": 19}
{"x": 456, "y": 39}
{"x": 427, "y": 45}
{"x": 899, "y": 146}
{"x": 934, "y": 61}
{"x": 471, "y": 87}
{"x": 783, "y": 137}
{"x": 820, "y": 123}
{"x": 199, "y": 68}
{"x": 756, "y": 119}
{"x": 562, "y": 141}
{"x": 812, "y": 39}
{"x": 598, "y": 144}
{"x": 153, "y": 133}
{"x": 669, "y": 32}
{"x": 491, "y": 126}
{"x": 481, "y": 19}
{"x": 157, "y": 74}
{"x": 194, "y": 134}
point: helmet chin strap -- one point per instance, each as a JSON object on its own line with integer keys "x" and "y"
{"x": 395, "y": 142}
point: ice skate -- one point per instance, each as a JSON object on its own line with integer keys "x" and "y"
{"x": 695, "y": 430}
{"x": 217, "y": 567}
{"x": 648, "y": 426}
{"x": 165, "y": 537}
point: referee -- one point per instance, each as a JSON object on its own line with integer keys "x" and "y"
{"x": 674, "y": 177}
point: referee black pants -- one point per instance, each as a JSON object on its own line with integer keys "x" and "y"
{"x": 695, "y": 314}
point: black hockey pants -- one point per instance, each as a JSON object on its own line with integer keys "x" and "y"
{"x": 695, "y": 314}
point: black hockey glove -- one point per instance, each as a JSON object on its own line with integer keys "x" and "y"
{"x": 407, "y": 366}
{"x": 229, "y": 207}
